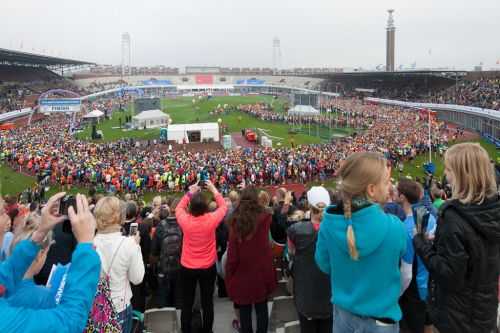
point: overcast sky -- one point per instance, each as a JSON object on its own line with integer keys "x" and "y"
{"x": 313, "y": 33}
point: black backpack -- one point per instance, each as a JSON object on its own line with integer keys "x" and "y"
{"x": 171, "y": 246}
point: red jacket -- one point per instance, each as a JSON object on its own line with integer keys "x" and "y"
{"x": 250, "y": 274}
{"x": 198, "y": 241}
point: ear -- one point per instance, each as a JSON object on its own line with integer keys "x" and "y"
{"x": 370, "y": 191}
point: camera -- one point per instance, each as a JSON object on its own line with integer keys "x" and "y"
{"x": 66, "y": 202}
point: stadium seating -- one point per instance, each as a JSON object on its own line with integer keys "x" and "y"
{"x": 26, "y": 74}
{"x": 162, "y": 320}
{"x": 282, "y": 312}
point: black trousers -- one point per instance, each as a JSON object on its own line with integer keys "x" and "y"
{"x": 189, "y": 280}
{"x": 262, "y": 314}
{"x": 324, "y": 325}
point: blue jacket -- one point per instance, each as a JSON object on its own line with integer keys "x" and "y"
{"x": 422, "y": 276}
{"x": 72, "y": 312}
{"x": 370, "y": 286}
{"x": 30, "y": 295}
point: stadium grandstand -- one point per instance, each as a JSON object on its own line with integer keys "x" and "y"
{"x": 24, "y": 76}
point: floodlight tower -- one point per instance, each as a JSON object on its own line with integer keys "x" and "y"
{"x": 126, "y": 70}
{"x": 276, "y": 54}
{"x": 390, "y": 42}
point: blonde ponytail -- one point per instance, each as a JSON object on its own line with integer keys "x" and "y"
{"x": 351, "y": 239}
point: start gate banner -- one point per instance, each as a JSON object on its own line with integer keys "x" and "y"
{"x": 60, "y": 105}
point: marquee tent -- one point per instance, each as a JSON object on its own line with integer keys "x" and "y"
{"x": 151, "y": 119}
{"x": 94, "y": 114}
{"x": 303, "y": 110}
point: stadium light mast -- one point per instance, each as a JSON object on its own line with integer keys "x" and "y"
{"x": 276, "y": 55}
{"x": 390, "y": 42}
{"x": 126, "y": 70}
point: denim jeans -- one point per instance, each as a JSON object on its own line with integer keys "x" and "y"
{"x": 125, "y": 319}
{"x": 346, "y": 322}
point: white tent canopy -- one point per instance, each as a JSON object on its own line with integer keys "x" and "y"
{"x": 94, "y": 114}
{"x": 188, "y": 132}
{"x": 151, "y": 119}
{"x": 303, "y": 110}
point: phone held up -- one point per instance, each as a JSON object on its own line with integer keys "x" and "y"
{"x": 134, "y": 227}
{"x": 66, "y": 202}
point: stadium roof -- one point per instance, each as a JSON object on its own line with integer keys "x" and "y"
{"x": 385, "y": 75}
{"x": 23, "y": 58}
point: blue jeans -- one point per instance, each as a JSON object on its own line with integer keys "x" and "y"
{"x": 125, "y": 319}
{"x": 346, "y": 322}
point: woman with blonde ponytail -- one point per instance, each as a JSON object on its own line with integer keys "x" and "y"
{"x": 360, "y": 247}
{"x": 311, "y": 287}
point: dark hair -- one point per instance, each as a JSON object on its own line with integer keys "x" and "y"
{"x": 410, "y": 189}
{"x": 130, "y": 210}
{"x": 198, "y": 205}
{"x": 145, "y": 211}
{"x": 244, "y": 221}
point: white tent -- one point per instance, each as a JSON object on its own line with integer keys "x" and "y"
{"x": 150, "y": 119}
{"x": 193, "y": 132}
{"x": 94, "y": 114}
{"x": 303, "y": 110}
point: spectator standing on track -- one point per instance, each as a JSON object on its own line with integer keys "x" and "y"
{"x": 199, "y": 252}
{"x": 310, "y": 285}
{"x": 250, "y": 275}
{"x": 464, "y": 260}
{"x": 360, "y": 247}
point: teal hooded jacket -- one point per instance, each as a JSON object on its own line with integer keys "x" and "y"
{"x": 371, "y": 285}
{"x": 71, "y": 314}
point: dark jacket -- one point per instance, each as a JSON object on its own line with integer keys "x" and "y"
{"x": 280, "y": 222}
{"x": 464, "y": 264}
{"x": 59, "y": 253}
{"x": 310, "y": 285}
{"x": 250, "y": 275}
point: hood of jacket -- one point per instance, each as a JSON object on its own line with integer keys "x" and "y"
{"x": 483, "y": 218}
{"x": 370, "y": 225}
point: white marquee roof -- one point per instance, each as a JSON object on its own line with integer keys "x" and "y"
{"x": 94, "y": 114}
{"x": 150, "y": 114}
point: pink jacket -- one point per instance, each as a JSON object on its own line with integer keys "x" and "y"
{"x": 198, "y": 243}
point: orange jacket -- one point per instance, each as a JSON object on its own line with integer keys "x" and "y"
{"x": 198, "y": 242}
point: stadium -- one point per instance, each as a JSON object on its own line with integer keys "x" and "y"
{"x": 148, "y": 136}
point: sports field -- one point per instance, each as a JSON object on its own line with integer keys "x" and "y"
{"x": 182, "y": 110}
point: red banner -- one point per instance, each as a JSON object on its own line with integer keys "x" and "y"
{"x": 204, "y": 79}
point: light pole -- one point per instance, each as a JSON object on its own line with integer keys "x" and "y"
{"x": 219, "y": 121}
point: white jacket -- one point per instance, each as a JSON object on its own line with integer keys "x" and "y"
{"x": 128, "y": 266}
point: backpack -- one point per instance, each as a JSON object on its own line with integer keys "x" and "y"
{"x": 171, "y": 245}
{"x": 103, "y": 316}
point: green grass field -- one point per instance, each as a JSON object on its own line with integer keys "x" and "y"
{"x": 183, "y": 111}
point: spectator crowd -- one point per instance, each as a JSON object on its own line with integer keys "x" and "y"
{"x": 369, "y": 256}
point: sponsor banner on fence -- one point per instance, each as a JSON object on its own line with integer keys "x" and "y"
{"x": 60, "y": 105}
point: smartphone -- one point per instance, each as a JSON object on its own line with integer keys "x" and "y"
{"x": 133, "y": 229}
{"x": 66, "y": 202}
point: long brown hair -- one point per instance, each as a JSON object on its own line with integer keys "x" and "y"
{"x": 357, "y": 172}
{"x": 243, "y": 221}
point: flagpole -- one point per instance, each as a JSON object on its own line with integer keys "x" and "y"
{"x": 430, "y": 142}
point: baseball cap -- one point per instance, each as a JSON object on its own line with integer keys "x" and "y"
{"x": 318, "y": 194}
